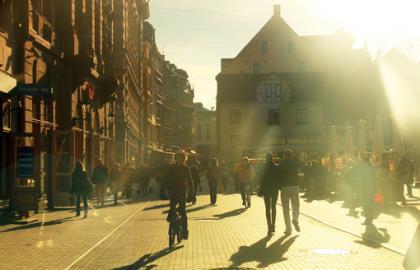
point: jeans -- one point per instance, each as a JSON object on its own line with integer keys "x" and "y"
{"x": 181, "y": 202}
{"x": 84, "y": 197}
{"x": 213, "y": 190}
{"x": 100, "y": 192}
{"x": 290, "y": 194}
{"x": 245, "y": 188}
{"x": 270, "y": 201}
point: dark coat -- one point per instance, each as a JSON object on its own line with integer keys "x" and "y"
{"x": 178, "y": 180}
{"x": 269, "y": 178}
{"x": 80, "y": 183}
{"x": 100, "y": 175}
{"x": 289, "y": 170}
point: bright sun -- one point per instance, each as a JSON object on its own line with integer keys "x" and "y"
{"x": 384, "y": 23}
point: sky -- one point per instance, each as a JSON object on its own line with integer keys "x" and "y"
{"x": 196, "y": 34}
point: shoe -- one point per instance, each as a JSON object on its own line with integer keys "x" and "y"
{"x": 85, "y": 215}
{"x": 243, "y": 203}
{"x": 296, "y": 225}
{"x": 288, "y": 232}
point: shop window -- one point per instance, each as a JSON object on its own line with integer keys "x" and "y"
{"x": 273, "y": 117}
{"x": 301, "y": 116}
{"x": 235, "y": 116}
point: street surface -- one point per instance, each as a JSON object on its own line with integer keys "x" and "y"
{"x": 133, "y": 235}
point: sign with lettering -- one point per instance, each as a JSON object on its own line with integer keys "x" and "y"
{"x": 273, "y": 91}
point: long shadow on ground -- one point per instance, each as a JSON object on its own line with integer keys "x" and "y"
{"x": 259, "y": 252}
{"x": 232, "y": 213}
{"x": 39, "y": 224}
{"x": 145, "y": 261}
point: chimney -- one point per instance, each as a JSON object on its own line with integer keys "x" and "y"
{"x": 277, "y": 12}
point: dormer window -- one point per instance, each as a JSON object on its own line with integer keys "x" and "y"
{"x": 264, "y": 47}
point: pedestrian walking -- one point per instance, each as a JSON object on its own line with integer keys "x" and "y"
{"x": 127, "y": 175}
{"x": 289, "y": 185}
{"x": 368, "y": 190}
{"x": 269, "y": 188}
{"x": 81, "y": 187}
{"x": 246, "y": 174}
{"x": 99, "y": 179}
{"x": 195, "y": 173}
{"x": 114, "y": 181}
{"x": 213, "y": 176}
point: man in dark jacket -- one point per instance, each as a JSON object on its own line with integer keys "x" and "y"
{"x": 269, "y": 188}
{"x": 178, "y": 181}
{"x": 99, "y": 179}
{"x": 289, "y": 185}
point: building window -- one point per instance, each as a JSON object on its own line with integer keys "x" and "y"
{"x": 301, "y": 66}
{"x": 273, "y": 117}
{"x": 235, "y": 140}
{"x": 199, "y": 132}
{"x": 264, "y": 47}
{"x": 235, "y": 116}
{"x": 208, "y": 132}
{"x": 290, "y": 47}
{"x": 256, "y": 67}
{"x": 301, "y": 116}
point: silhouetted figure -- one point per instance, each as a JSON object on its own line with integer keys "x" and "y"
{"x": 195, "y": 173}
{"x": 246, "y": 174}
{"x": 81, "y": 187}
{"x": 368, "y": 189}
{"x": 99, "y": 179}
{"x": 269, "y": 188}
{"x": 213, "y": 176}
{"x": 289, "y": 170}
{"x": 115, "y": 181}
{"x": 178, "y": 181}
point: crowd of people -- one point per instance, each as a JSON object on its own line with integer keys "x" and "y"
{"x": 362, "y": 181}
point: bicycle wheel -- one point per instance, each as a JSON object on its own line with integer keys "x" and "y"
{"x": 171, "y": 235}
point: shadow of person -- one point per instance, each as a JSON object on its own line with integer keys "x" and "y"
{"x": 373, "y": 237}
{"x": 39, "y": 224}
{"x": 156, "y": 207}
{"x": 144, "y": 262}
{"x": 259, "y": 252}
{"x": 412, "y": 256}
{"x": 232, "y": 213}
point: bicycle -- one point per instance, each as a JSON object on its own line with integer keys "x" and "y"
{"x": 175, "y": 229}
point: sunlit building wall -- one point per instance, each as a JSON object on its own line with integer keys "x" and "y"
{"x": 282, "y": 88}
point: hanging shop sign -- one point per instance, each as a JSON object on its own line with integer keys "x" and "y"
{"x": 35, "y": 90}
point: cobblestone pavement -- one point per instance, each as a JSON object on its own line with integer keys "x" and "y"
{"x": 225, "y": 236}
{"x": 400, "y": 223}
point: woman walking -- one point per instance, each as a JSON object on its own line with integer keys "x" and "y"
{"x": 114, "y": 181}
{"x": 269, "y": 189}
{"x": 81, "y": 187}
{"x": 213, "y": 175}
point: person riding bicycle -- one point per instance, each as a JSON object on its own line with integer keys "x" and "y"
{"x": 178, "y": 182}
{"x": 245, "y": 173}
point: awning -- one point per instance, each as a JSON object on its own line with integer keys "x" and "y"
{"x": 7, "y": 82}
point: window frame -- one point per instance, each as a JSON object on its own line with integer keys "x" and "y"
{"x": 302, "y": 116}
